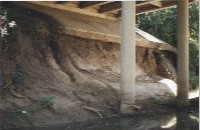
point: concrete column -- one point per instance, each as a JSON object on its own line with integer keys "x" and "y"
{"x": 183, "y": 125}
{"x": 127, "y": 56}
{"x": 183, "y": 52}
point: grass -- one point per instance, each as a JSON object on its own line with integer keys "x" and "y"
{"x": 45, "y": 102}
{"x": 42, "y": 103}
{"x": 194, "y": 81}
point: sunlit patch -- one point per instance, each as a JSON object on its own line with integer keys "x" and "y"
{"x": 12, "y": 24}
{"x": 173, "y": 87}
{"x": 194, "y": 94}
{"x": 194, "y": 118}
{"x": 171, "y": 123}
{"x": 4, "y": 23}
{"x": 149, "y": 36}
{"x": 171, "y": 84}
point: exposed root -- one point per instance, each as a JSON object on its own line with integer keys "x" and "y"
{"x": 16, "y": 95}
{"x": 97, "y": 111}
{"x": 137, "y": 107}
{"x": 11, "y": 90}
{"x": 9, "y": 84}
{"x": 6, "y": 86}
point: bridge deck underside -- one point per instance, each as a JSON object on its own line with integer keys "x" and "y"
{"x": 90, "y": 27}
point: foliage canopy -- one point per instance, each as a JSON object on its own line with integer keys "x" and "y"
{"x": 163, "y": 24}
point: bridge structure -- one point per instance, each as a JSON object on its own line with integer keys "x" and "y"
{"x": 122, "y": 15}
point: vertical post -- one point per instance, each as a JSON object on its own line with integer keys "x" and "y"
{"x": 128, "y": 59}
{"x": 183, "y": 52}
{"x": 183, "y": 125}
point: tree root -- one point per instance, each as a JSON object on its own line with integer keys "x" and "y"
{"x": 97, "y": 111}
{"x": 6, "y": 86}
{"x": 137, "y": 107}
{"x": 11, "y": 90}
{"x": 16, "y": 95}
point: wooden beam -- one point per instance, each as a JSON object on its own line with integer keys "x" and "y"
{"x": 146, "y": 8}
{"x": 87, "y": 4}
{"x": 197, "y": 1}
{"x": 151, "y": 8}
{"x": 30, "y": 4}
{"x": 156, "y": 3}
{"x": 117, "y": 7}
{"x": 165, "y": 5}
{"x": 141, "y": 3}
{"x": 114, "y": 6}
{"x": 60, "y": 2}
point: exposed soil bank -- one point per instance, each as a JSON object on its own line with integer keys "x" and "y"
{"x": 43, "y": 62}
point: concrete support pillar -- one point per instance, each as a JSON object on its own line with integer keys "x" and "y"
{"x": 127, "y": 56}
{"x": 183, "y": 52}
{"x": 183, "y": 125}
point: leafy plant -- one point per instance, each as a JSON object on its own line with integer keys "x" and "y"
{"x": 163, "y": 24}
{"x": 45, "y": 102}
{"x": 194, "y": 81}
{"x": 194, "y": 57}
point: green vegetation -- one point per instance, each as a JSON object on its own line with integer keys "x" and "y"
{"x": 45, "y": 102}
{"x": 42, "y": 103}
{"x": 160, "y": 101}
{"x": 194, "y": 81}
{"x": 163, "y": 24}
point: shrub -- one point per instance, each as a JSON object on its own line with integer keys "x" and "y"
{"x": 194, "y": 81}
{"x": 194, "y": 57}
{"x": 45, "y": 102}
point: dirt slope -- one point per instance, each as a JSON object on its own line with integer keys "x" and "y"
{"x": 42, "y": 61}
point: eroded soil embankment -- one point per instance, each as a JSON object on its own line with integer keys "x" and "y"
{"x": 42, "y": 61}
